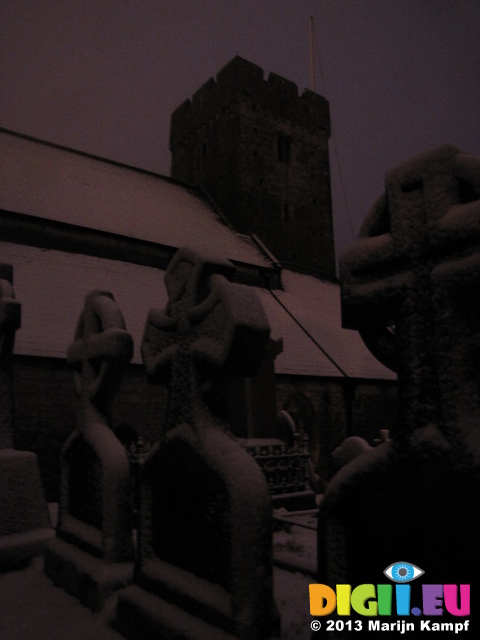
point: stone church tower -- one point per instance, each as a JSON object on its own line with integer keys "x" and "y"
{"x": 260, "y": 151}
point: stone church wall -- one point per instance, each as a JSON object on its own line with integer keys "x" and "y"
{"x": 45, "y": 410}
{"x": 45, "y": 407}
{"x": 329, "y": 410}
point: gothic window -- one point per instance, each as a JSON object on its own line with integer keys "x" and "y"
{"x": 301, "y": 409}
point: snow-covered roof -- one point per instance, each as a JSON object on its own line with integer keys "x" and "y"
{"x": 308, "y": 313}
{"x": 49, "y": 182}
{"x": 46, "y": 182}
{"x": 51, "y": 287}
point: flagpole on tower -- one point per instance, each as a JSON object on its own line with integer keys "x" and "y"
{"x": 312, "y": 63}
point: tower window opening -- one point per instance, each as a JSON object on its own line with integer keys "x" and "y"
{"x": 284, "y": 148}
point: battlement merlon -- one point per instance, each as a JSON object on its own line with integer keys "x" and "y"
{"x": 244, "y": 80}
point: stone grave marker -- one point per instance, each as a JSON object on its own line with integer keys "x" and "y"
{"x": 24, "y": 520}
{"x": 409, "y": 285}
{"x": 251, "y": 413}
{"x": 204, "y": 559}
{"x": 93, "y": 552}
{"x": 349, "y": 449}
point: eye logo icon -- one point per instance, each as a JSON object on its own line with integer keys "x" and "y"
{"x": 402, "y": 572}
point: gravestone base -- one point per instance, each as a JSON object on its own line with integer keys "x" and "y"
{"x": 25, "y": 524}
{"x": 90, "y": 579}
{"x": 205, "y": 558}
{"x": 177, "y": 606}
{"x": 165, "y": 620}
{"x": 170, "y": 610}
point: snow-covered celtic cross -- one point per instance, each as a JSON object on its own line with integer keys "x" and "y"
{"x": 100, "y": 352}
{"x": 210, "y": 328}
{"x": 410, "y": 286}
{"x": 92, "y": 554}
{"x": 9, "y": 323}
{"x": 95, "y": 476}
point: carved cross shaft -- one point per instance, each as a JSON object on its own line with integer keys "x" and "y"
{"x": 419, "y": 246}
{"x": 101, "y": 349}
{"x": 211, "y": 328}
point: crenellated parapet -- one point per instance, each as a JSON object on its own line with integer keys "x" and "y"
{"x": 260, "y": 151}
{"x": 241, "y": 80}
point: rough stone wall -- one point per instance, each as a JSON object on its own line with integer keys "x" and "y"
{"x": 45, "y": 411}
{"x": 261, "y": 152}
{"x": 287, "y": 204}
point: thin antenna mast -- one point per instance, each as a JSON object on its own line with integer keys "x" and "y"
{"x": 312, "y": 63}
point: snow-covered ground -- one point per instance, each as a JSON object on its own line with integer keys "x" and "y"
{"x": 33, "y": 608}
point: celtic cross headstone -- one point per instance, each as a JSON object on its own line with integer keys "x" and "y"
{"x": 210, "y": 329}
{"x": 205, "y": 510}
{"x": 409, "y": 286}
{"x": 93, "y": 551}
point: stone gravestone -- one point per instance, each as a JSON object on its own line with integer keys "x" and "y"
{"x": 93, "y": 552}
{"x": 409, "y": 285}
{"x": 24, "y": 521}
{"x": 251, "y": 414}
{"x": 349, "y": 449}
{"x": 205, "y": 559}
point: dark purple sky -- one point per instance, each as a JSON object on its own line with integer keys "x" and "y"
{"x": 103, "y": 76}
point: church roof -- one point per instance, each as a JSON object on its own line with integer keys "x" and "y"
{"x": 308, "y": 312}
{"x": 57, "y": 185}
{"x": 49, "y": 182}
{"x": 51, "y": 286}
